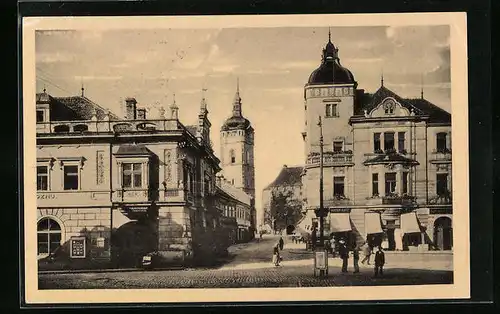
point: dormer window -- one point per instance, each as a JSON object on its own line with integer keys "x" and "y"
{"x": 389, "y": 107}
{"x": 39, "y": 116}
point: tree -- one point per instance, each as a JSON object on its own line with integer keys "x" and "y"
{"x": 285, "y": 209}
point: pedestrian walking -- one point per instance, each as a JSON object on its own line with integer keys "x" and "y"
{"x": 367, "y": 252}
{"x": 379, "y": 262}
{"x": 344, "y": 255}
{"x": 281, "y": 243}
{"x": 355, "y": 258}
{"x": 276, "y": 254}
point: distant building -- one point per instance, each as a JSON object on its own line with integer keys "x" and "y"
{"x": 110, "y": 188}
{"x": 288, "y": 180}
{"x": 237, "y": 155}
{"x": 387, "y": 161}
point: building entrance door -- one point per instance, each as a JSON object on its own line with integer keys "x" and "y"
{"x": 443, "y": 233}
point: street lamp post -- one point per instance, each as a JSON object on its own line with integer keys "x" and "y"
{"x": 321, "y": 211}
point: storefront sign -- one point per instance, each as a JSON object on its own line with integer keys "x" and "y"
{"x": 78, "y": 247}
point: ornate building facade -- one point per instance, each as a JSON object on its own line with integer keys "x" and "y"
{"x": 110, "y": 189}
{"x": 237, "y": 155}
{"x": 387, "y": 162}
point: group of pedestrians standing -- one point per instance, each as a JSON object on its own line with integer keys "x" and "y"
{"x": 367, "y": 252}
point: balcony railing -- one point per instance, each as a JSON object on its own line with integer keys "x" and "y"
{"x": 394, "y": 199}
{"x": 330, "y": 159}
{"x": 443, "y": 199}
{"x": 134, "y": 195}
{"x": 441, "y": 156}
{"x": 104, "y": 126}
{"x": 337, "y": 201}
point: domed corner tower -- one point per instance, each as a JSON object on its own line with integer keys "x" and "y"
{"x": 329, "y": 94}
{"x": 237, "y": 149}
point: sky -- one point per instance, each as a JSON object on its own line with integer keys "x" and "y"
{"x": 272, "y": 65}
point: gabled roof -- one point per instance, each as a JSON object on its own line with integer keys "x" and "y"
{"x": 73, "y": 108}
{"x": 288, "y": 176}
{"x": 420, "y": 106}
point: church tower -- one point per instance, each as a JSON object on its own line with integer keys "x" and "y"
{"x": 237, "y": 149}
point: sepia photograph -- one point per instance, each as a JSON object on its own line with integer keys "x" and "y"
{"x": 253, "y": 154}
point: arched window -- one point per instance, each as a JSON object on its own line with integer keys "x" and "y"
{"x": 232, "y": 156}
{"x": 61, "y": 128}
{"x": 49, "y": 236}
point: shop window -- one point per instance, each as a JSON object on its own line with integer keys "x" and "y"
{"x": 375, "y": 184}
{"x": 338, "y": 186}
{"x": 388, "y": 141}
{"x": 71, "y": 181}
{"x": 390, "y": 183}
{"x": 42, "y": 178}
{"x": 132, "y": 175}
{"x": 442, "y": 184}
{"x": 48, "y": 236}
{"x": 376, "y": 142}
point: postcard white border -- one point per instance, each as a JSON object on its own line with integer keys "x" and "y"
{"x": 459, "y": 100}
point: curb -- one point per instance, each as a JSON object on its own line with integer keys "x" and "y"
{"x": 111, "y": 270}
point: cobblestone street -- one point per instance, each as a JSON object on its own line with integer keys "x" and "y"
{"x": 251, "y": 267}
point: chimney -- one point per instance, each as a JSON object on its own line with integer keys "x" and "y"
{"x": 130, "y": 108}
{"x": 141, "y": 114}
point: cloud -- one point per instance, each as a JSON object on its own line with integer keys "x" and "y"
{"x": 97, "y": 78}
{"x": 54, "y": 57}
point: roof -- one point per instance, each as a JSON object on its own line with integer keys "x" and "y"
{"x": 236, "y": 193}
{"x": 288, "y": 176}
{"x": 390, "y": 158}
{"x": 330, "y": 71}
{"x": 234, "y": 122}
{"x": 73, "y": 108}
{"x": 192, "y": 129}
{"x": 420, "y": 106}
{"x": 133, "y": 149}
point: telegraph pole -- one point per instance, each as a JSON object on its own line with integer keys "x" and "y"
{"x": 321, "y": 209}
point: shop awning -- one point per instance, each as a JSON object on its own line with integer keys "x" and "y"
{"x": 373, "y": 224}
{"x": 304, "y": 226}
{"x": 409, "y": 223}
{"x": 340, "y": 222}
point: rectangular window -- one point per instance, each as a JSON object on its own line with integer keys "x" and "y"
{"x": 71, "y": 177}
{"x": 401, "y": 141}
{"x": 335, "y": 112}
{"x": 43, "y": 243}
{"x": 441, "y": 142}
{"x": 376, "y": 142}
{"x": 389, "y": 141}
{"x": 338, "y": 146}
{"x": 39, "y": 116}
{"x": 132, "y": 175}
{"x": 328, "y": 110}
{"x": 390, "y": 183}
{"x": 375, "y": 184}
{"x": 405, "y": 182}
{"x": 442, "y": 184}
{"x": 42, "y": 178}
{"x": 338, "y": 186}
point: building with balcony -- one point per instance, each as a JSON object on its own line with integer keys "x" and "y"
{"x": 111, "y": 188}
{"x": 387, "y": 162}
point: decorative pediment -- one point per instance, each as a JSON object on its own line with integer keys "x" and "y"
{"x": 49, "y": 160}
{"x": 389, "y": 107}
{"x": 80, "y": 161}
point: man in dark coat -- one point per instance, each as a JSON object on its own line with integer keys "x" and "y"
{"x": 344, "y": 255}
{"x": 379, "y": 262}
{"x": 355, "y": 257}
{"x": 282, "y": 243}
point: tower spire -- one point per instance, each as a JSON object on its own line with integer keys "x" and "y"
{"x": 237, "y": 100}
{"x": 382, "y": 79}
{"x": 329, "y": 35}
{"x": 422, "y": 86}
